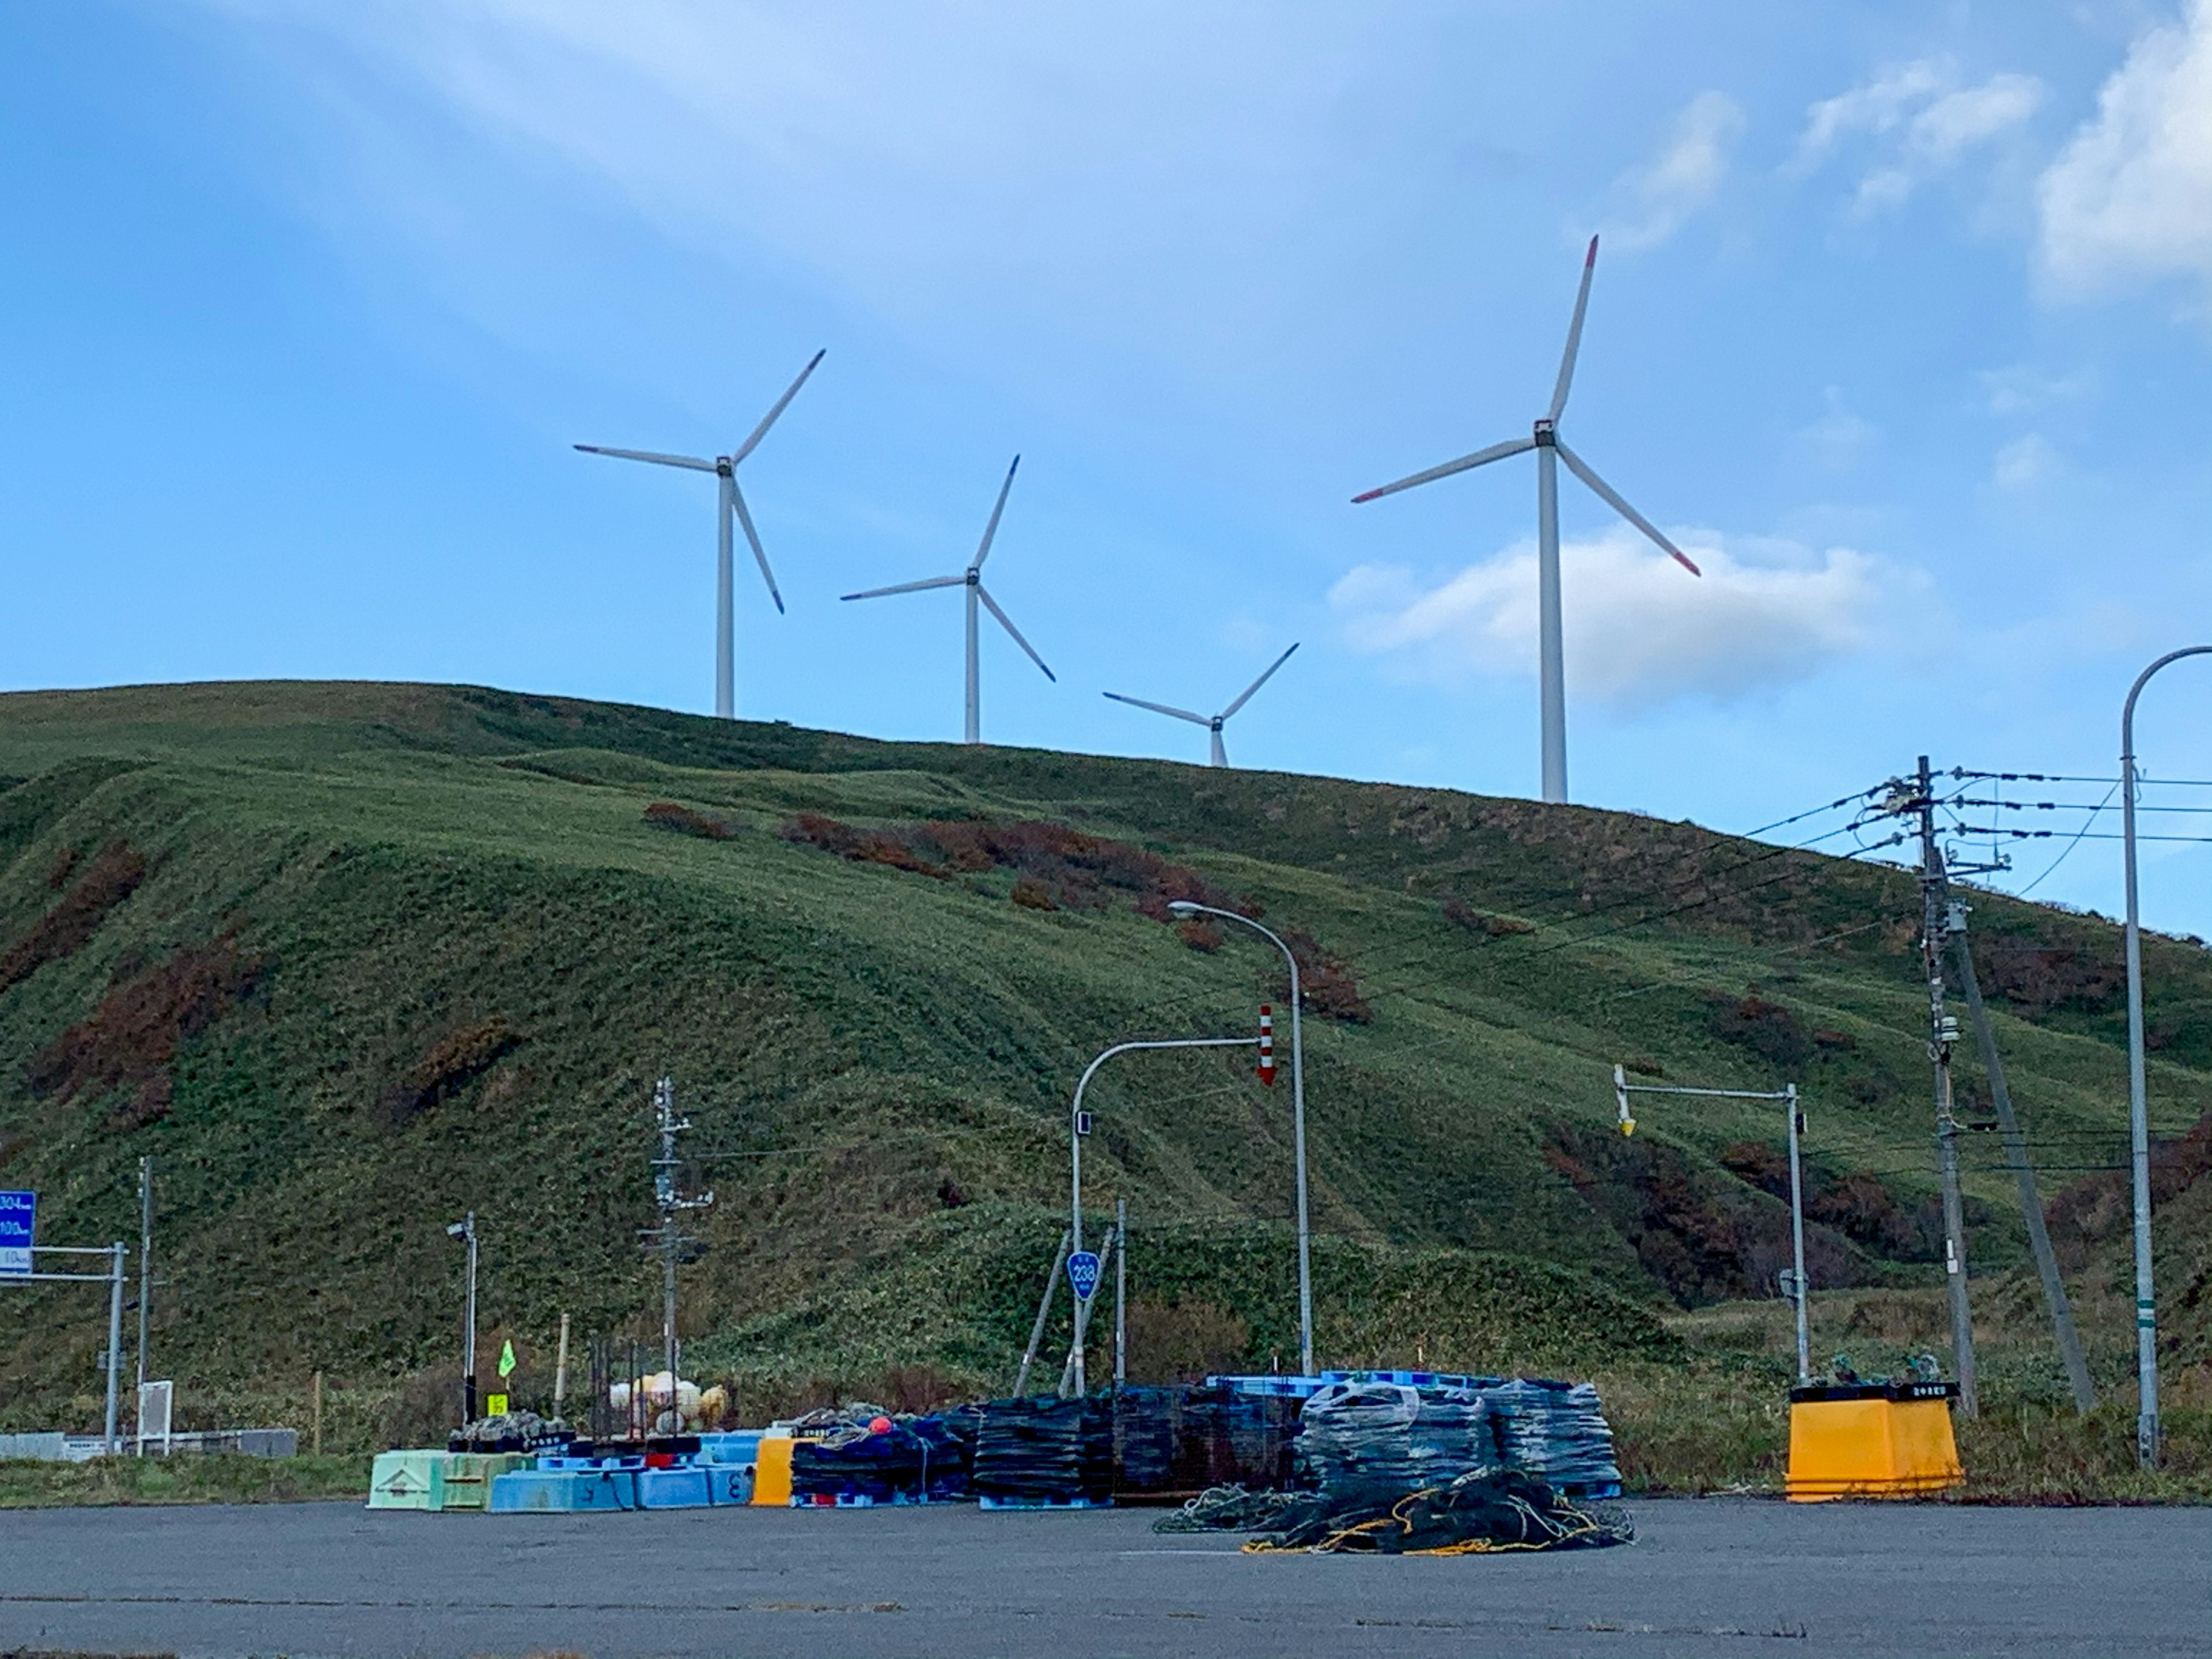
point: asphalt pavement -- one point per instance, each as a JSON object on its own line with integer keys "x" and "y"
{"x": 1732, "y": 1576}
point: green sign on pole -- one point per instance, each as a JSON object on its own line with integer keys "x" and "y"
{"x": 506, "y": 1359}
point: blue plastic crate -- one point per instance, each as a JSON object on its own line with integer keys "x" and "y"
{"x": 683, "y": 1488}
{"x": 991, "y": 1503}
{"x": 560, "y": 1460}
{"x": 563, "y": 1491}
{"x": 728, "y": 1485}
{"x": 736, "y": 1446}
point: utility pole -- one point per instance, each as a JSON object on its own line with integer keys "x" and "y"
{"x": 145, "y": 1285}
{"x": 2023, "y": 1172}
{"x": 1121, "y": 1293}
{"x": 465, "y": 1231}
{"x": 669, "y": 1238}
{"x": 1942, "y": 1036}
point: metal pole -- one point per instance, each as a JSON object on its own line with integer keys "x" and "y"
{"x": 561, "y": 1368}
{"x": 1797, "y": 1239}
{"x": 1553, "y": 687}
{"x": 114, "y": 1338}
{"x": 1122, "y": 1294}
{"x": 1942, "y": 1033}
{"x": 1186, "y": 907}
{"x": 2147, "y": 1425}
{"x": 145, "y": 1284}
{"x": 469, "y": 1324}
{"x": 2023, "y": 1174}
{"x": 1075, "y": 1353}
{"x": 1044, "y": 1312}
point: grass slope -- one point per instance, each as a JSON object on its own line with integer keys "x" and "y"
{"x": 348, "y": 959}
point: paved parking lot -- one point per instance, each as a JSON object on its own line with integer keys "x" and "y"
{"x": 1715, "y": 1576}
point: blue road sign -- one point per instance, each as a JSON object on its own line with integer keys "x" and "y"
{"x": 19, "y": 1219}
{"x": 1083, "y": 1273}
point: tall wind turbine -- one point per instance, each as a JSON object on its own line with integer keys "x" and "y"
{"x": 1545, "y": 441}
{"x": 733, "y": 507}
{"x": 1212, "y": 723}
{"x": 972, "y": 580}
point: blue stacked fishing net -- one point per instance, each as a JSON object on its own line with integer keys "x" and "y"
{"x": 1554, "y": 1430}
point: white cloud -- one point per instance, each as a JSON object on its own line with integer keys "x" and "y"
{"x": 1654, "y": 199}
{"x": 1638, "y": 628}
{"x": 2024, "y": 463}
{"x": 2022, "y": 389}
{"x": 1839, "y": 438}
{"x": 2131, "y": 193}
{"x": 1919, "y": 123}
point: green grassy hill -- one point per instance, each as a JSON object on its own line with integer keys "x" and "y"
{"x": 346, "y": 960}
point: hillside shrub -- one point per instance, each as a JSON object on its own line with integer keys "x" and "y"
{"x": 451, "y": 1064}
{"x": 686, "y": 821}
{"x": 1768, "y": 1029}
{"x": 112, "y": 877}
{"x": 132, "y": 1036}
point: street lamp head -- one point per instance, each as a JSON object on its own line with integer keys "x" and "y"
{"x": 1184, "y": 907}
{"x": 459, "y": 1229}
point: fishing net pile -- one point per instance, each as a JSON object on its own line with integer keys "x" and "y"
{"x": 1431, "y": 1470}
{"x": 886, "y": 1459}
{"x": 1045, "y": 1451}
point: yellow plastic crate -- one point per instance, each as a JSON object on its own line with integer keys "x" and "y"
{"x": 1872, "y": 1440}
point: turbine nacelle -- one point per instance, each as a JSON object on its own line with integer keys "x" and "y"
{"x": 1212, "y": 723}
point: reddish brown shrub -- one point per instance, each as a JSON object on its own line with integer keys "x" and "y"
{"x": 1325, "y": 982}
{"x": 452, "y": 1063}
{"x": 684, "y": 820}
{"x": 1491, "y": 926}
{"x": 2039, "y": 978}
{"x": 58, "y": 872}
{"x": 140, "y": 1024}
{"x": 1767, "y": 1029}
{"x": 1199, "y": 934}
{"x": 112, "y": 877}
{"x": 1029, "y": 893}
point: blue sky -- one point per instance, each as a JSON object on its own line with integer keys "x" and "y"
{"x": 1899, "y": 324}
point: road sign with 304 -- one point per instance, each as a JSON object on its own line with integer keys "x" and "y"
{"x": 19, "y": 1220}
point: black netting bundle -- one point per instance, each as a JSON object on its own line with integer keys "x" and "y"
{"x": 1475, "y": 1514}
{"x": 1146, "y": 1421}
{"x": 1039, "y": 1451}
{"x": 916, "y": 1457}
{"x": 1386, "y": 1434}
{"x": 1556, "y": 1429}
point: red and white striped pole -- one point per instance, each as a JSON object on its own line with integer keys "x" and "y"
{"x": 1266, "y": 1045}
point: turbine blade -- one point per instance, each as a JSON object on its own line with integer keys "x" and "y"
{"x": 1007, "y": 623}
{"x": 745, "y": 519}
{"x": 908, "y": 588}
{"x": 1465, "y": 463}
{"x": 991, "y": 530}
{"x": 1607, "y": 493}
{"x": 769, "y": 419}
{"x": 690, "y": 461}
{"x": 1257, "y": 684}
{"x": 1574, "y": 335}
{"x": 1161, "y": 709}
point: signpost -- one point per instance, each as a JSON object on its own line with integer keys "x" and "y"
{"x": 1083, "y": 1273}
{"x": 19, "y": 1220}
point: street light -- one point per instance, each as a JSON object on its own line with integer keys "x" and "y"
{"x": 465, "y": 1230}
{"x": 2138, "y": 1110}
{"x": 1188, "y": 908}
{"x": 1076, "y": 1130}
{"x": 1793, "y": 1278}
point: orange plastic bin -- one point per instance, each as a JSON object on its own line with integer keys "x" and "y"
{"x": 1872, "y": 1440}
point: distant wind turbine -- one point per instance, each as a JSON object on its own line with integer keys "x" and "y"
{"x": 972, "y": 580}
{"x": 1545, "y": 440}
{"x": 1212, "y": 723}
{"x": 733, "y": 507}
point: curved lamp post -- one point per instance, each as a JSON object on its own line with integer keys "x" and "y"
{"x": 1187, "y": 907}
{"x": 2138, "y": 1110}
{"x": 1075, "y": 1160}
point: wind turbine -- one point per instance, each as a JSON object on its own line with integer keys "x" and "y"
{"x": 1545, "y": 440}
{"x": 972, "y": 580}
{"x": 733, "y": 507}
{"x": 1212, "y": 723}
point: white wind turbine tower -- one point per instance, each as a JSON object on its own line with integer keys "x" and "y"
{"x": 733, "y": 507}
{"x": 1211, "y": 723}
{"x": 972, "y": 580}
{"x": 1545, "y": 440}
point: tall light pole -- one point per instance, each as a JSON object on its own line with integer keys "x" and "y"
{"x": 1076, "y": 1130}
{"x": 1793, "y": 1279}
{"x": 465, "y": 1231}
{"x": 1188, "y": 908}
{"x": 2138, "y": 1108}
